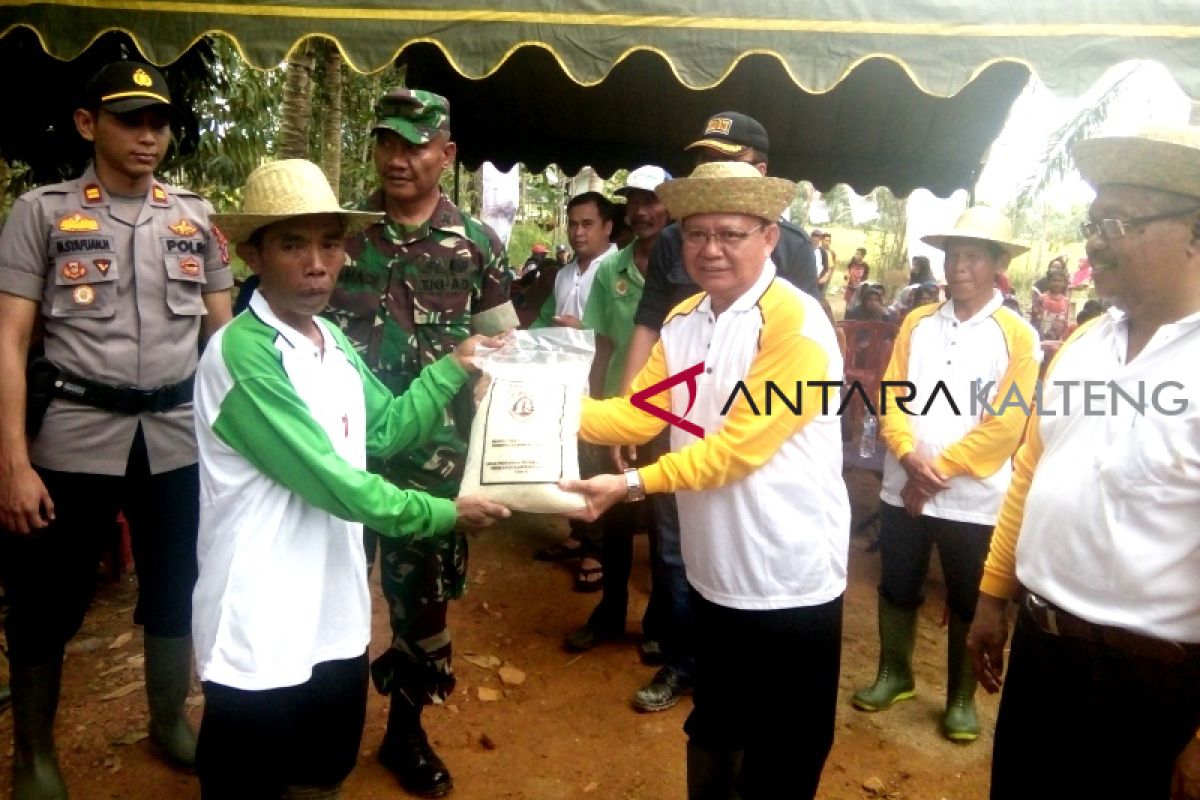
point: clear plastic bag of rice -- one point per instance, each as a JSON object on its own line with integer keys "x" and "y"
{"x": 524, "y": 436}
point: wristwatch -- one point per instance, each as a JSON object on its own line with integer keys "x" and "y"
{"x": 634, "y": 490}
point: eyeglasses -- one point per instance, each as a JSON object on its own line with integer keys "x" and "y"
{"x": 727, "y": 239}
{"x": 1116, "y": 228}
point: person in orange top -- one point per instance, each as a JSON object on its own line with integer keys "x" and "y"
{"x": 1051, "y": 313}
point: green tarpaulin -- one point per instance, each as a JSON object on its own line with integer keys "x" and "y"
{"x": 883, "y": 64}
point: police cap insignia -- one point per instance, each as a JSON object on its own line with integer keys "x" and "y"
{"x": 103, "y": 264}
{"x": 142, "y": 78}
{"x": 78, "y": 223}
{"x": 74, "y": 270}
{"x": 185, "y": 227}
{"x": 83, "y": 295}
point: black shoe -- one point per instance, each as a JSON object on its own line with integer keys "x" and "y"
{"x": 650, "y": 652}
{"x": 664, "y": 691}
{"x": 412, "y": 760}
{"x": 590, "y": 635}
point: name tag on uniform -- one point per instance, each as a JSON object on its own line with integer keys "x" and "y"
{"x": 82, "y": 244}
{"x": 442, "y": 282}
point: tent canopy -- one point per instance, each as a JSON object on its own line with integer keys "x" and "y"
{"x": 848, "y": 91}
{"x": 876, "y": 128}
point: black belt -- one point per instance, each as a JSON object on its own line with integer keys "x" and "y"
{"x": 1051, "y": 619}
{"x": 123, "y": 399}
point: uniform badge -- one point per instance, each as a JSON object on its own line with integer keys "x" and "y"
{"x": 718, "y": 125}
{"x": 102, "y": 264}
{"x": 158, "y": 194}
{"x": 142, "y": 78}
{"x": 83, "y": 295}
{"x": 74, "y": 270}
{"x": 222, "y": 243}
{"x": 92, "y": 193}
{"x": 621, "y": 287}
{"x": 78, "y": 223}
{"x": 185, "y": 227}
{"x": 189, "y": 266}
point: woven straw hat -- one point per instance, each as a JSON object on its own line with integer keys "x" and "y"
{"x": 980, "y": 222}
{"x": 284, "y": 189}
{"x": 1167, "y": 159}
{"x": 727, "y": 187}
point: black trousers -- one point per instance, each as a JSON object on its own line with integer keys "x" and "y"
{"x": 905, "y": 545}
{"x": 618, "y": 525}
{"x": 51, "y": 574}
{"x": 255, "y": 744}
{"x": 766, "y": 685}
{"x": 1081, "y": 720}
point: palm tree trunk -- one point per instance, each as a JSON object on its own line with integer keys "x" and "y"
{"x": 297, "y": 104}
{"x": 331, "y": 122}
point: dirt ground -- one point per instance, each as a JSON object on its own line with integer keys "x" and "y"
{"x": 566, "y": 729}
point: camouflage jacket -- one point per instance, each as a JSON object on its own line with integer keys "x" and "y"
{"x": 406, "y": 296}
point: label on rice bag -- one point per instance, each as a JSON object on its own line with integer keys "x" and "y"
{"x": 522, "y": 436}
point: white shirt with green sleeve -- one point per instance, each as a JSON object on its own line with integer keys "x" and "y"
{"x": 284, "y": 431}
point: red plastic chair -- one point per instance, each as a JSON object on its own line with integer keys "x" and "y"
{"x": 869, "y": 346}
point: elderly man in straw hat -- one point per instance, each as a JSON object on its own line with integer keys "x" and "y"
{"x": 286, "y": 414}
{"x": 766, "y": 563}
{"x": 947, "y": 467}
{"x": 1096, "y": 538}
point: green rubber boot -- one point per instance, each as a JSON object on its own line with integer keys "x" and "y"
{"x": 168, "y": 680}
{"x": 894, "y": 680}
{"x": 960, "y": 724}
{"x": 35, "y": 703}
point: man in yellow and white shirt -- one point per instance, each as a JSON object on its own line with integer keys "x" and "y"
{"x": 1096, "y": 538}
{"x": 763, "y": 510}
{"x": 947, "y": 465}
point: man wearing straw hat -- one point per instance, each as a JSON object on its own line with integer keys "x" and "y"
{"x": 1096, "y": 538}
{"x": 726, "y": 136}
{"x": 419, "y": 281}
{"x": 286, "y": 413}
{"x": 126, "y": 276}
{"x": 947, "y": 468}
{"x": 766, "y": 562}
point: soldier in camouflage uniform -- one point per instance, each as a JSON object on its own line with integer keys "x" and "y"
{"x": 417, "y": 283}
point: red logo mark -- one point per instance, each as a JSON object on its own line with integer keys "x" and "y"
{"x": 640, "y": 400}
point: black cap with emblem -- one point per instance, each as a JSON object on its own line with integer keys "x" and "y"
{"x": 732, "y": 133}
{"x": 125, "y": 86}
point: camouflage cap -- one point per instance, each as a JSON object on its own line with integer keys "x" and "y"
{"x": 415, "y": 114}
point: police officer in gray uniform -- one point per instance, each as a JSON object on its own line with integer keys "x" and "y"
{"x": 126, "y": 275}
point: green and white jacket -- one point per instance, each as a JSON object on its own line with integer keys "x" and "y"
{"x": 284, "y": 431}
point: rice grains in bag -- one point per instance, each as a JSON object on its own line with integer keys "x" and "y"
{"x": 523, "y": 438}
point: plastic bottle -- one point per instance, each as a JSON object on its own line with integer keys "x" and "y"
{"x": 866, "y": 443}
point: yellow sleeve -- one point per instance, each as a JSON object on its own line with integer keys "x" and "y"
{"x": 746, "y": 440}
{"x": 1000, "y": 569}
{"x": 616, "y": 421}
{"x": 894, "y": 430}
{"x": 992, "y": 442}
